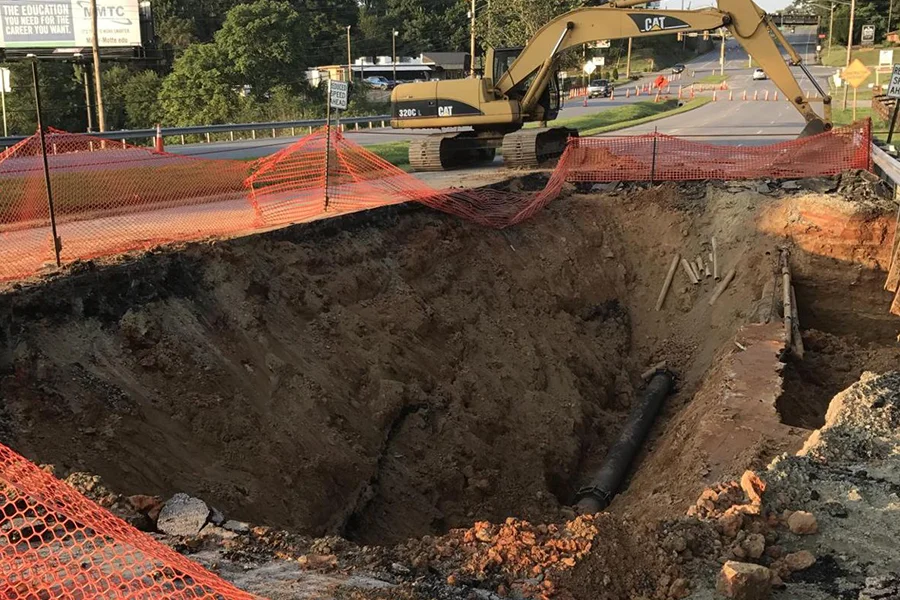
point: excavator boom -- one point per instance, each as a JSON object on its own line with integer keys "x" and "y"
{"x": 498, "y": 104}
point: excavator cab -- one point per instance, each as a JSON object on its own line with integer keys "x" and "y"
{"x": 550, "y": 100}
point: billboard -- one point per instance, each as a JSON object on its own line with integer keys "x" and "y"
{"x": 67, "y": 23}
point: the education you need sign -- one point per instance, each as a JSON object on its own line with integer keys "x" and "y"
{"x": 67, "y": 23}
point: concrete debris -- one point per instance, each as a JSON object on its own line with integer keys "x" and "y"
{"x": 763, "y": 188}
{"x": 886, "y": 587}
{"x": 744, "y": 581}
{"x": 183, "y": 515}
{"x": 803, "y": 523}
{"x": 602, "y": 188}
{"x": 216, "y": 516}
{"x": 236, "y": 526}
{"x": 754, "y": 545}
{"x": 791, "y": 185}
{"x": 820, "y": 185}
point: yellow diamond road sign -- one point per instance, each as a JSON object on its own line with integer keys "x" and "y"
{"x": 856, "y": 73}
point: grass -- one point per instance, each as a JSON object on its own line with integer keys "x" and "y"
{"x": 630, "y": 115}
{"x": 396, "y": 153}
{"x": 713, "y": 79}
{"x": 621, "y": 117}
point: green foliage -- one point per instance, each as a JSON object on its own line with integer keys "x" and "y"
{"x": 199, "y": 90}
{"x": 263, "y": 44}
{"x": 139, "y": 95}
{"x": 62, "y": 98}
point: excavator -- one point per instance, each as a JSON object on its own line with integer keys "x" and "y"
{"x": 521, "y": 85}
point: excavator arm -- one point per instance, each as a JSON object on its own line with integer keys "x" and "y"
{"x": 746, "y": 22}
{"x": 497, "y": 105}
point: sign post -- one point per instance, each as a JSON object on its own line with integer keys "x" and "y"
{"x": 4, "y": 89}
{"x": 338, "y": 96}
{"x": 893, "y": 91}
{"x": 855, "y": 75}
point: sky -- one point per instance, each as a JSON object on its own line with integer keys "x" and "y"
{"x": 766, "y": 5}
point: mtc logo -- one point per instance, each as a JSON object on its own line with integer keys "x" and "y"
{"x": 445, "y": 111}
{"x": 654, "y": 23}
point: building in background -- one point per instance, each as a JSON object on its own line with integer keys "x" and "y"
{"x": 427, "y": 66}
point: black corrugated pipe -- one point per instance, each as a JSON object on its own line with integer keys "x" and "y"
{"x": 606, "y": 482}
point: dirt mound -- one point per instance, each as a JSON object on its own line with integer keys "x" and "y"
{"x": 401, "y": 374}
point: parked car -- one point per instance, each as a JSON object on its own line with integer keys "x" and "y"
{"x": 379, "y": 82}
{"x": 759, "y": 75}
{"x": 679, "y": 68}
{"x": 600, "y": 88}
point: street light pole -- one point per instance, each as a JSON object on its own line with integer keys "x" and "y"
{"x": 349, "y": 57}
{"x": 849, "y": 47}
{"x": 95, "y": 43}
{"x": 394, "y": 49}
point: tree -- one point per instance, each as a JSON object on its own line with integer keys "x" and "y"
{"x": 62, "y": 97}
{"x": 199, "y": 89}
{"x": 140, "y": 96}
{"x": 265, "y": 43}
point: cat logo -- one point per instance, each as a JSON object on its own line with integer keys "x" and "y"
{"x": 647, "y": 23}
{"x": 445, "y": 111}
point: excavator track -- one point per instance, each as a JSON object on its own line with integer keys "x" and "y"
{"x": 530, "y": 147}
{"x": 444, "y": 151}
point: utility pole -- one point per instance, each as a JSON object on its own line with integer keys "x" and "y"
{"x": 98, "y": 84}
{"x": 628, "y": 61}
{"x": 890, "y": 15}
{"x": 849, "y": 47}
{"x": 472, "y": 41}
{"x": 394, "y": 49}
{"x": 722, "y": 54}
{"x": 831, "y": 28}
{"x": 349, "y": 57}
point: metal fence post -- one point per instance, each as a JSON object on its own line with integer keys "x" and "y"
{"x": 40, "y": 124}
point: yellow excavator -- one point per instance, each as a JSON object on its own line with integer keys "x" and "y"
{"x": 520, "y": 85}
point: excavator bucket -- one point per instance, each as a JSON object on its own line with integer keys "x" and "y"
{"x": 814, "y": 127}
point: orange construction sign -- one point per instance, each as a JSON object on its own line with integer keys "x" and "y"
{"x": 661, "y": 82}
{"x": 856, "y": 73}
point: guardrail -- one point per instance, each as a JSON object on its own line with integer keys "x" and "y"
{"x": 209, "y": 130}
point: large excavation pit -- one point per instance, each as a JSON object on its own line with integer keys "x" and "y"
{"x": 400, "y": 373}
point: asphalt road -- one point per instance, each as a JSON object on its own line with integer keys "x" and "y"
{"x": 746, "y": 122}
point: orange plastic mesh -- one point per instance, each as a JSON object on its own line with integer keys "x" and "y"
{"x": 111, "y": 197}
{"x": 665, "y": 158}
{"x": 54, "y": 543}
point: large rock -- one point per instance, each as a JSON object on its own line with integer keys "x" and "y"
{"x": 799, "y": 561}
{"x": 182, "y": 516}
{"x": 803, "y": 523}
{"x": 744, "y": 581}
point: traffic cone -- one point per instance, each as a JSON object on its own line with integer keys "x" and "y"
{"x": 159, "y": 139}
{"x": 744, "y": 97}
{"x": 767, "y": 95}
{"x": 657, "y": 96}
{"x": 730, "y": 95}
{"x": 715, "y": 97}
{"x": 679, "y": 92}
{"x": 628, "y": 92}
{"x": 776, "y": 96}
{"x": 585, "y": 100}
{"x": 755, "y": 95}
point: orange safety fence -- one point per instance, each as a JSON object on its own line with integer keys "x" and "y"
{"x": 55, "y": 543}
{"x": 662, "y": 157}
{"x": 110, "y": 197}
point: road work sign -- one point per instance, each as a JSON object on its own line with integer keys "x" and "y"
{"x": 589, "y": 67}
{"x": 856, "y": 74}
{"x": 338, "y": 94}
{"x": 893, "y": 90}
